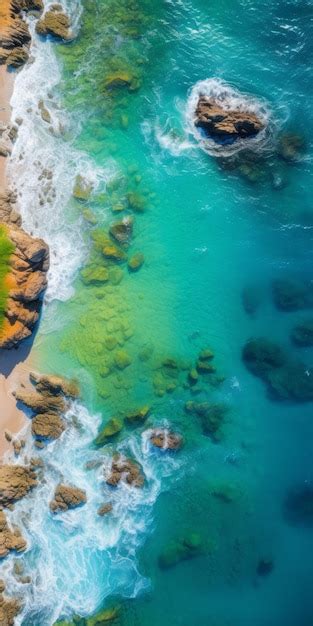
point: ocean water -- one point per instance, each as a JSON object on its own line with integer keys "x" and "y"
{"x": 188, "y": 548}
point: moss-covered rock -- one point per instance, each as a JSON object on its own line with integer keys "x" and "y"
{"x": 122, "y": 231}
{"x": 138, "y": 416}
{"x": 185, "y": 548}
{"x": 94, "y": 274}
{"x": 136, "y": 262}
{"x": 82, "y": 188}
{"x": 136, "y": 201}
{"x": 113, "y": 252}
{"x": 262, "y": 355}
{"x": 111, "y": 429}
{"x": 122, "y": 359}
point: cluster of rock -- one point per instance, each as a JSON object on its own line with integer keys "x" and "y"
{"x": 15, "y": 37}
{"x": 67, "y": 497}
{"x": 27, "y": 277}
{"x": 165, "y": 439}
{"x": 126, "y": 470}
{"x": 48, "y": 402}
{"x": 224, "y": 125}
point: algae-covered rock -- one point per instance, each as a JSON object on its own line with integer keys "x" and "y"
{"x": 118, "y": 79}
{"x": 205, "y": 367}
{"x": 291, "y": 147}
{"x": 193, "y": 376}
{"x": 94, "y": 275}
{"x": 122, "y": 359}
{"x": 185, "y": 548}
{"x": 211, "y": 417}
{"x": 206, "y": 355}
{"x": 82, "y": 188}
{"x": 138, "y": 416}
{"x": 122, "y": 231}
{"x": 104, "y": 617}
{"x": 113, "y": 252}
{"x": 262, "y": 355}
{"x": 136, "y": 262}
{"x": 89, "y": 216}
{"x": 136, "y": 201}
{"x": 112, "y": 428}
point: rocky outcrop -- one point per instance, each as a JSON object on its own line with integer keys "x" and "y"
{"x": 125, "y": 469}
{"x": 56, "y": 23}
{"x": 67, "y": 497}
{"x": 14, "y": 33}
{"x": 165, "y": 439}
{"x": 11, "y": 540}
{"x": 104, "y": 509}
{"x": 15, "y": 482}
{"x": 225, "y": 125}
{"x": 9, "y": 608}
{"x": 48, "y": 402}
{"x": 26, "y": 278}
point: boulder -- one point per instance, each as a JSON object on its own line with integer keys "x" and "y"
{"x": 125, "y": 469}
{"x": 11, "y": 540}
{"x": 224, "y": 125}
{"x": 67, "y": 497}
{"x": 185, "y": 548}
{"x": 165, "y": 439}
{"x": 9, "y": 608}
{"x": 94, "y": 274}
{"x": 16, "y": 481}
{"x": 262, "y": 355}
{"x": 112, "y": 428}
{"x": 47, "y": 426}
{"x": 105, "y": 508}
{"x": 122, "y": 231}
{"x": 138, "y": 416}
{"x": 56, "y": 23}
{"x": 136, "y": 262}
{"x": 112, "y": 252}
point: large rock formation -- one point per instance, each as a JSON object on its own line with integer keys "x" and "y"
{"x": 10, "y": 539}
{"x": 166, "y": 439}
{"x": 125, "y": 469}
{"x": 67, "y": 497}
{"x": 15, "y": 482}
{"x": 8, "y": 608}
{"x": 225, "y": 125}
{"x": 26, "y": 279}
{"x": 14, "y": 33}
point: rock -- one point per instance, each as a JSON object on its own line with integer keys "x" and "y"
{"x": 123, "y": 468}
{"x": 302, "y": 334}
{"x": 105, "y": 508}
{"x": 56, "y": 23}
{"x": 113, "y": 252}
{"x": 185, "y": 548}
{"x": 67, "y": 497}
{"x": 45, "y": 115}
{"x": 41, "y": 403}
{"x": 211, "y": 416}
{"x": 165, "y": 439}
{"x": 122, "y": 359}
{"x": 15, "y": 482}
{"x": 112, "y": 428}
{"x": 82, "y": 188}
{"x": 47, "y": 426}
{"x": 225, "y": 125}
{"x": 27, "y": 280}
{"x": 261, "y": 356}
{"x": 138, "y": 416}
{"x": 8, "y": 212}
{"x": 9, "y": 608}
{"x": 206, "y": 355}
{"x": 118, "y": 79}
{"x": 136, "y": 262}
{"x": 291, "y": 147}
{"x": 94, "y": 275}
{"x": 193, "y": 377}
{"x": 10, "y": 540}
{"x": 103, "y": 617}
{"x": 136, "y": 201}
{"x": 55, "y": 385}
{"x": 14, "y": 33}
{"x": 264, "y": 567}
{"x": 122, "y": 231}
{"x": 204, "y": 367}
{"x": 292, "y": 294}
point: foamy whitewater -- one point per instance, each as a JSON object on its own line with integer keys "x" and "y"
{"x": 44, "y": 166}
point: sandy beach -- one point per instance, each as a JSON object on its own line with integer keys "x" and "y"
{"x": 11, "y": 418}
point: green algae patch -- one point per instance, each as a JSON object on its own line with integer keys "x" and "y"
{"x": 6, "y": 249}
{"x": 113, "y": 427}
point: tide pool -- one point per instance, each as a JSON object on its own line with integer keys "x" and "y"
{"x": 207, "y": 540}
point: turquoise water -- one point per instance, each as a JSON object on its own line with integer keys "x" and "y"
{"x": 206, "y": 233}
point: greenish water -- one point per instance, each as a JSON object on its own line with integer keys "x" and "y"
{"x": 131, "y": 338}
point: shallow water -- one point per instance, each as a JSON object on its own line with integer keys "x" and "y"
{"x": 206, "y": 233}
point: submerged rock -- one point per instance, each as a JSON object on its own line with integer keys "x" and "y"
{"x": 67, "y": 497}
{"x": 136, "y": 262}
{"x": 138, "y": 416}
{"x": 262, "y": 355}
{"x": 292, "y": 294}
{"x": 123, "y": 468}
{"x": 105, "y": 508}
{"x": 298, "y": 506}
{"x": 188, "y": 547}
{"x": 112, "y": 428}
{"x": 224, "y": 125}
{"x": 10, "y": 540}
{"x": 16, "y": 481}
{"x": 122, "y": 231}
{"x": 302, "y": 334}
{"x": 291, "y": 147}
{"x": 103, "y": 617}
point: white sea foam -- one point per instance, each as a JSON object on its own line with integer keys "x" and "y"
{"x": 77, "y": 559}
{"x": 230, "y": 99}
{"x": 45, "y": 202}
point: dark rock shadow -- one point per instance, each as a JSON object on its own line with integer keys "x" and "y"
{"x": 9, "y": 359}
